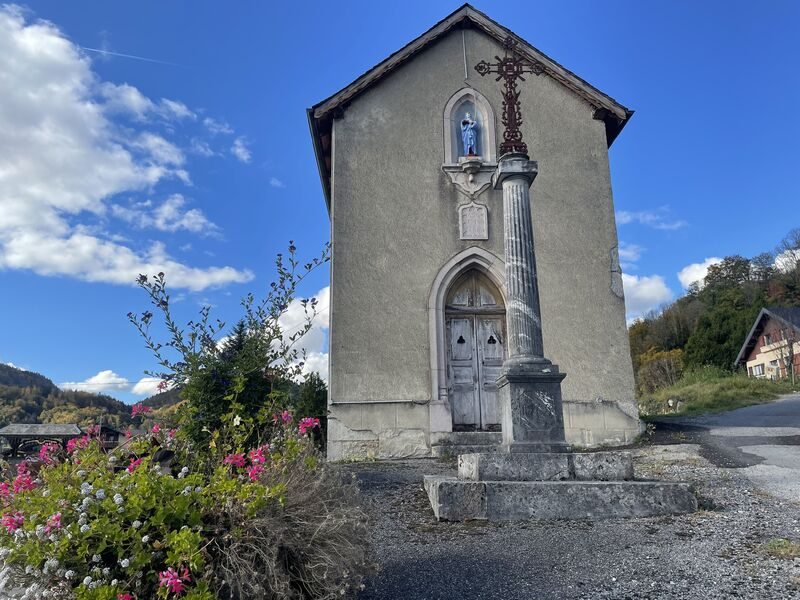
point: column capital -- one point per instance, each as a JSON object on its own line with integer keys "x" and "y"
{"x": 514, "y": 165}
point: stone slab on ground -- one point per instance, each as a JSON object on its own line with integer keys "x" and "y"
{"x": 456, "y": 499}
{"x": 589, "y": 466}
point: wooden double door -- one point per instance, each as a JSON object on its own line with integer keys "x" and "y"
{"x": 475, "y": 320}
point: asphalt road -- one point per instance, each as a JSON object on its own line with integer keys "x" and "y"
{"x": 763, "y": 441}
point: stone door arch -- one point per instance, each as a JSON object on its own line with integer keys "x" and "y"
{"x": 475, "y": 346}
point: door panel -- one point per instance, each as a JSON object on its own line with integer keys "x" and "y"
{"x": 491, "y": 352}
{"x": 462, "y": 371}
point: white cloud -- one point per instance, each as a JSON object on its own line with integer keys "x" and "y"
{"x": 126, "y": 99}
{"x": 63, "y": 158}
{"x": 629, "y": 252}
{"x": 217, "y": 127}
{"x": 170, "y": 216}
{"x": 240, "y": 150}
{"x": 201, "y": 148}
{"x": 276, "y": 183}
{"x": 315, "y": 342}
{"x": 104, "y": 381}
{"x": 146, "y": 386}
{"x": 643, "y": 294}
{"x": 656, "y": 219}
{"x": 696, "y": 272}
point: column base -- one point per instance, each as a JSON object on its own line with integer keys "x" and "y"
{"x": 530, "y": 400}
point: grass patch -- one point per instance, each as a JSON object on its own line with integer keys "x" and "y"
{"x": 781, "y": 548}
{"x": 712, "y": 390}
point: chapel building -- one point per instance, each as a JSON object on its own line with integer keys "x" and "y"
{"x": 417, "y": 312}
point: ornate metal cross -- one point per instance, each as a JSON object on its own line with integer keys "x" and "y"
{"x": 510, "y": 68}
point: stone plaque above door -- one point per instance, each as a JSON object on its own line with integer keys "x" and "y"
{"x": 473, "y": 222}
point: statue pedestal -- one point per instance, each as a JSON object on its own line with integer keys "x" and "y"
{"x": 530, "y": 402}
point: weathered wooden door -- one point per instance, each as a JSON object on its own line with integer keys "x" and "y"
{"x": 491, "y": 353}
{"x": 463, "y": 369}
{"x": 475, "y": 351}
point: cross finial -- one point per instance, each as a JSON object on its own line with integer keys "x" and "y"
{"x": 510, "y": 68}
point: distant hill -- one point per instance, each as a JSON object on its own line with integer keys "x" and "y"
{"x": 27, "y": 397}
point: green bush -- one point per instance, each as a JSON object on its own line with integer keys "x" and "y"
{"x": 146, "y": 521}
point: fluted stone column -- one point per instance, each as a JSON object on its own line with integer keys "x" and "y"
{"x": 530, "y": 385}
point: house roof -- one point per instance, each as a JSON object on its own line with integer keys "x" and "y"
{"x": 320, "y": 116}
{"x": 788, "y": 316}
{"x": 40, "y": 430}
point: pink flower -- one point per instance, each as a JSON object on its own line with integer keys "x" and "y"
{"x": 23, "y": 481}
{"x": 254, "y": 471}
{"x": 46, "y": 452}
{"x": 12, "y": 522}
{"x": 128, "y": 434}
{"x": 173, "y": 581}
{"x": 140, "y": 409}
{"x": 125, "y": 596}
{"x": 286, "y": 416}
{"x": 134, "y": 464}
{"x": 156, "y": 428}
{"x": 307, "y": 423}
{"x": 235, "y": 460}
{"x": 172, "y": 433}
{"x": 256, "y": 455}
{"x": 93, "y": 430}
{"x": 53, "y": 523}
{"x": 77, "y": 443}
{"x": 5, "y": 489}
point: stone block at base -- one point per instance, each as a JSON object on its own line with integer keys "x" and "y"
{"x": 455, "y": 499}
{"x": 593, "y": 466}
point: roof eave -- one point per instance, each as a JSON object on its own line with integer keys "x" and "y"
{"x": 324, "y": 175}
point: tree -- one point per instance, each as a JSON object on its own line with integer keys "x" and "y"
{"x": 721, "y": 331}
{"x": 242, "y": 378}
{"x": 786, "y": 350}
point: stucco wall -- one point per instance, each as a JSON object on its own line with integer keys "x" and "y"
{"x": 394, "y": 224}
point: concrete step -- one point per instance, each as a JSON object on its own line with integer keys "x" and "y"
{"x": 541, "y": 466}
{"x": 456, "y": 499}
{"x": 467, "y": 438}
{"x": 453, "y": 450}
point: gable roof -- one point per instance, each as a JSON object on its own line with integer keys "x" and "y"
{"x": 41, "y": 430}
{"x": 320, "y": 116}
{"x": 788, "y": 316}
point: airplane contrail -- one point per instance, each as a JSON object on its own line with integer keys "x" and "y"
{"x": 152, "y": 60}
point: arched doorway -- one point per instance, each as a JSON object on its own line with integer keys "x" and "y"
{"x": 475, "y": 330}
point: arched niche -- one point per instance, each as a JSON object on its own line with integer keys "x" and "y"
{"x": 470, "y": 259}
{"x": 468, "y": 100}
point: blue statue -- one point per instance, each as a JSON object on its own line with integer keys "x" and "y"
{"x": 468, "y": 136}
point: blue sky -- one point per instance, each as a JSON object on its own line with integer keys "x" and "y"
{"x": 198, "y": 159}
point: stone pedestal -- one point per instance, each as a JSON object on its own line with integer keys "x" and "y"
{"x": 529, "y": 384}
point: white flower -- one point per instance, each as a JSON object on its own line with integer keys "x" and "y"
{"x": 100, "y": 494}
{"x": 86, "y": 488}
{"x": 69, "y": 574}
{"x": 118, "y": 499}
{"x": 84, "y": 528}
{"x": 114, "y": 582}
{"x": 112, "y": 459}
{"x": 95, "y": 558}
{"x": 145, "y": 539}
{"x": 81, "y": 474}
{"x": 87, "y": 580}
{"x": 50, "y": 565}
{"x": 136, "y": 524}
{"x": 237, "y": 420}
{"x": 45, "y": 493}
{"x": 106, "y": 572}
{"x": 86, "y": 502}
{"x": 120, "y": 510}
{"x": 185, "y": 470}
{"x": 125, "y": 563}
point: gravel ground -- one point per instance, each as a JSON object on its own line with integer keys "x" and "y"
{"x": 714, "y": 553}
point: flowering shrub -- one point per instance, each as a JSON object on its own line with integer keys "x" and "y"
{"x": 145, "y": 521}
